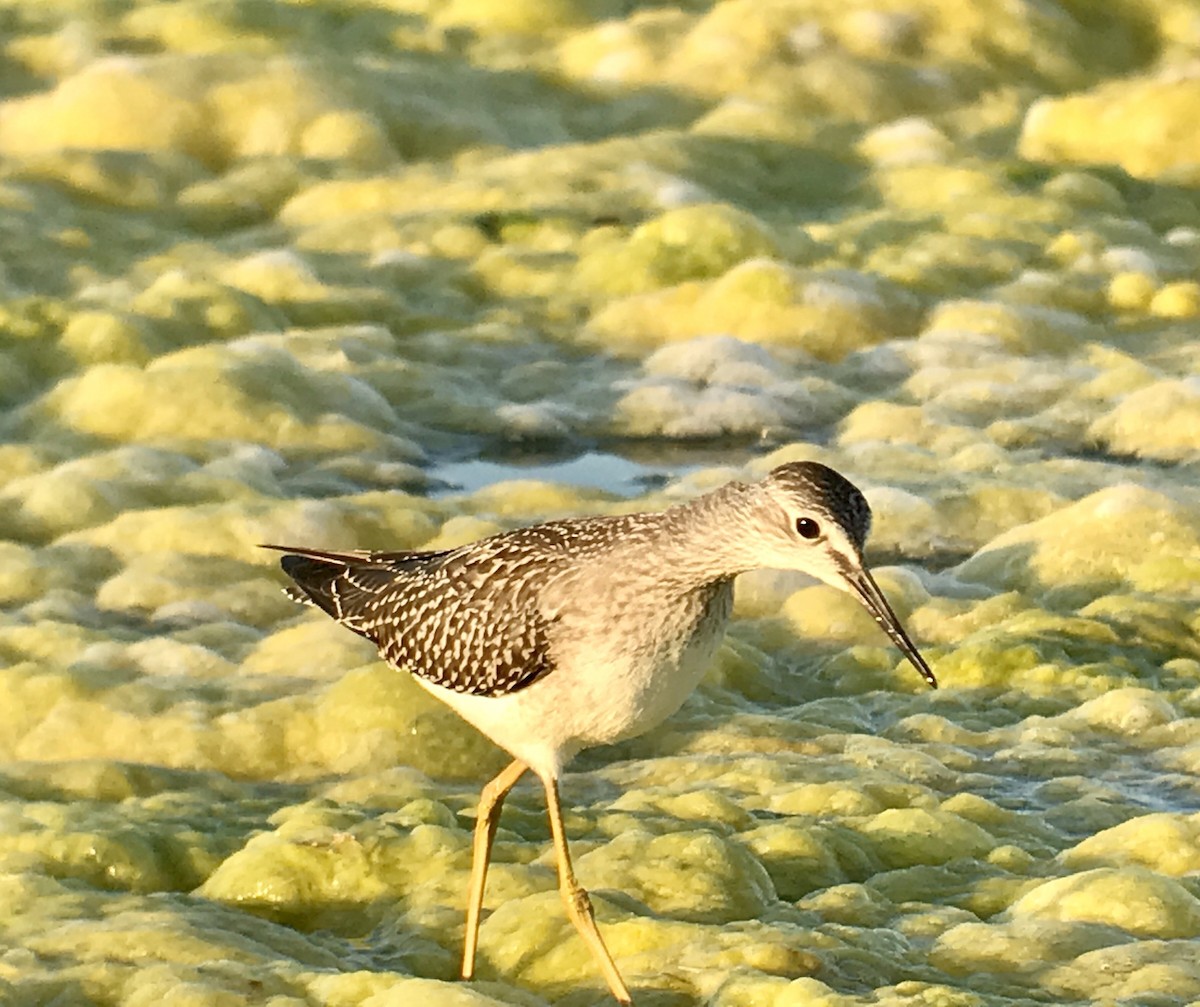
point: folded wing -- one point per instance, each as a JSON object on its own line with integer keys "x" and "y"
{"x": 431, "y": 613}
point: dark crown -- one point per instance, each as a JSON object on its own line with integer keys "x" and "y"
{"x": 821, "y": 488}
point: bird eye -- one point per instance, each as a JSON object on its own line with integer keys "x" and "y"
{"x": 806, "y": 527}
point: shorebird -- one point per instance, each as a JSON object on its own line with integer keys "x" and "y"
{"x": 557, "y": 637}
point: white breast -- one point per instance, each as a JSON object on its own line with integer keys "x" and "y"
{"x": 608, "y": 683}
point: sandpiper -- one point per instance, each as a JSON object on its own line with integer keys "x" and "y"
{"x": 564, "y": 635}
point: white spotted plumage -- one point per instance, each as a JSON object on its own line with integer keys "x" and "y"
{"x": 579, "y": 632}
{"x": 575, "y": 633}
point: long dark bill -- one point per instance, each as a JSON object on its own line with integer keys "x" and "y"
{"x": 870, "y": 595}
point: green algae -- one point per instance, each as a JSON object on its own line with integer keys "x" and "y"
{"x": 1062, "y": 547}
{"x": 1133, "y": 899}
{"x": 236, "y": 530}
{"x": 1138, "y": 111}
{"x": 218, "y": 400}
{"x": 799, "y": 858}
{"x": 690, "y": 243}
{"x": 764, "y": 301}
{"x": 693, "y": 875}
{"x": 1160, "y": 421}
{"x": 906, "y": 836}
{"x": 252, "y": 284}
{"x": 1163, "y": 842}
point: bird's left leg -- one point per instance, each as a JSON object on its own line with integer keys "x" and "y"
{"x": 491, "y": 800}
{"x": 575, "y": 898}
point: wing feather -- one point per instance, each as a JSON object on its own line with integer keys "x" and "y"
{"x": 461, "y": 621}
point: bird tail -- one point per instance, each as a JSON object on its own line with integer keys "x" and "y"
{"x": 315, "y": 580}
{"x": 350, "y": 586}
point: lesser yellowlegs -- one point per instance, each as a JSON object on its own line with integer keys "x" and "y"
{"x": 557, "y": 637}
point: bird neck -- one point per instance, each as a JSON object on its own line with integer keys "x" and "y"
{"x": 706, "y": 539}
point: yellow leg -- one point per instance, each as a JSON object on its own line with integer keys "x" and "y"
{"x": 491, "y": 800}
{"x": 579, "y": 906}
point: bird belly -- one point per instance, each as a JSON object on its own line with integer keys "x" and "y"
{"x": 602, "y": 689}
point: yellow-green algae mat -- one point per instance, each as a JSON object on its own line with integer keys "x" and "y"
{"x": 264, "y": 265}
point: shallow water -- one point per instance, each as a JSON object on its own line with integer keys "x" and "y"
{"x": 404, "y": 274}
{"x": 612, "y": 473}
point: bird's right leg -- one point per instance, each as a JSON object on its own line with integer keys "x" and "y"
{"x": 575, "y": 898}
{"x": 491, "y": 800}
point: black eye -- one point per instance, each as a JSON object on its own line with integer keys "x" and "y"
{"x": 807, "y": 527}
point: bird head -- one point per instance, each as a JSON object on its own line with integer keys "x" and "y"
{"x": 817, "y": 522}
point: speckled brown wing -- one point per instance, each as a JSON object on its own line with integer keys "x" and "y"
{"x": 463, "y": 619}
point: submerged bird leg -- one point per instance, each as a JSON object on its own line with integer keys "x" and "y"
{"x": 575, "y": 898}
{"x": 491, "y": 800}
